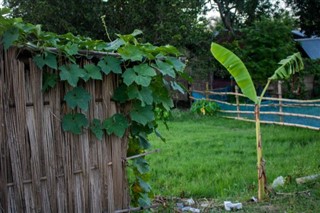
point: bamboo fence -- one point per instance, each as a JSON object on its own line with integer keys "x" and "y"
{"x": 279, "y": 102}
{"x": 43, "y": 168}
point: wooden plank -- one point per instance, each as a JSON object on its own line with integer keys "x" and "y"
{"x": 14, "y": 127}
{"x": 35, "y": 132}
{"x": 3, "y": 145}
{"x": 107, "y": 86}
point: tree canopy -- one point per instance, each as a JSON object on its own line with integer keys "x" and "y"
{"x": 235, "y": 14}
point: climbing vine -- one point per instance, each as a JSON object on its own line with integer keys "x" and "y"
{"x": 146, "y": 76}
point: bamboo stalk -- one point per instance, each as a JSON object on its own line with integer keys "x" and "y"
{"x": 273, "y": 113}
{"x": 263, "y": 105}
{"x": 264, "y": 98}
{"x": 219, "y": 93}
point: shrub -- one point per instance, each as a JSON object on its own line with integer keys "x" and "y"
{"x": 205, "y": 107}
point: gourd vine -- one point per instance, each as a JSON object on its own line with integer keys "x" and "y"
{"x": 147, "y": 74}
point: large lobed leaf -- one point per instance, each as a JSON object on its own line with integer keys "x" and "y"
{"x": 289, "y": 66}
{"x": 237, "y": 69}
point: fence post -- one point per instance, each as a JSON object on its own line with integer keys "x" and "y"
{"x": 190, "y": 96}
{"x": 280, "y": 100}
{"x": 207, "y": 91}
{"x": 236, "y": 89}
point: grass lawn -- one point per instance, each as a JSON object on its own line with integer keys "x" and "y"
{"x": 215, "y": 158}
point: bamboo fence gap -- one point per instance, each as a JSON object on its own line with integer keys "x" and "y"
{"x": 43, "y": 168}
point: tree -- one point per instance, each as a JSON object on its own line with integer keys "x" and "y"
{"x": 265, "y": 43}
{"x": 235, "y": 14}
{"x": 308, "y": 15}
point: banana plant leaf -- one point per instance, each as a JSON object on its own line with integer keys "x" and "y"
{"x": 289, "y": 66}
{"x": 237, "y": 69}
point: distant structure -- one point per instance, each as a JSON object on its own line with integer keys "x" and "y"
{"x": 309, "y": 46}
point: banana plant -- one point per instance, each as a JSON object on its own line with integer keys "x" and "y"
{"x": 238, "y": 70}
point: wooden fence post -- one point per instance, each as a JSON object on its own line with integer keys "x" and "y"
{"x": 207, "y": 91}
{"x": 280, "y": 100}
{"x": 236, "y": 88}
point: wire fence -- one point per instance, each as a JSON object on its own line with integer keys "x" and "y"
{"x": 273, "y": 110}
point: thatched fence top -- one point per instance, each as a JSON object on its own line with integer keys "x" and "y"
{"x": 43, "y": 168}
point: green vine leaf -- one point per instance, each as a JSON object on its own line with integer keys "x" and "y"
{"x": 142, "y": 115}
{"x": 143, "y": 141}
{"x": 144, "y": 200}
{"x": 131, "y": 52}
{"x": 177, "y": 86}
{"x": 78, "y": 97}
{"x": 176, "y": 63}
{"x": 168, "y": 49}
{"x": 144, "y": 94}
{"x": 93, "y": 72}
{"x": 49, "y": 81}
{"x": 9, "y": 37}
{"x": 161, "y": 94}
{"x": 114, "y": 45}
{"x": 129, "y": 76}
{"x": 120, "y": 94}
{"x": 74, "y": 122}
{"x": 110, "y": 64}
{"x": 165, "y": 68}
{"x": 47, "y": 58}
{"x": 71, "y": 73}
{"x": 117, "y": 124}
{"x": 144, "y": 185}
{"x": 141, "y": 74}
{"x": 70, "y": 48}
{"x": 141, "y": 164}
{"x": 130, "y": 37}
{"x": 97, "y": 128}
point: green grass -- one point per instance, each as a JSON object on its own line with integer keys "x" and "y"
{"x": 215, "y": 158}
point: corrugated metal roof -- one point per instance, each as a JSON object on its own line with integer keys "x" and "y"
{"x": 311, "y": 46}
{"x": 298, "y": 34}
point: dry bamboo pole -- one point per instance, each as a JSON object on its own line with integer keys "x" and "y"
{"x": 280, "y": 99}
{"x": 277, "y": 123}
{"x": 272, "y": 113}
{"x": 264, "y": 98}
{"x": 219, "y": 93}
{"x": 218, "y": 101}
{"x": 237, "y": 100}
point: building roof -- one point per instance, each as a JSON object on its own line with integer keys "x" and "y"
{"x": 311, "y": 46}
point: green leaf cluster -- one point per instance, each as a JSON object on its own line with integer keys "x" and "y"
{"x": 205, "y": 107}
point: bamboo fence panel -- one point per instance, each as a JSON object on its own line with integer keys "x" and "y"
{"x": 44, "y": 169}
{"x": 281, "y": 103}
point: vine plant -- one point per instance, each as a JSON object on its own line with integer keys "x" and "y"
{"x": 147, "y": 73}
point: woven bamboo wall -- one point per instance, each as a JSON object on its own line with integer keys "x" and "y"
{"x": 44, "y": 169}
